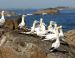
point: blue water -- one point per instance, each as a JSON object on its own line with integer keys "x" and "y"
{"x": 66, "y": 18}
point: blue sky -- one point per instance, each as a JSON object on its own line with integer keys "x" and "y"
{"x": 35, "y": 3}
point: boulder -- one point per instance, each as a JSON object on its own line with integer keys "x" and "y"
{"x": 32, "y": 46}
{"x": 8, "y": 52}
{"x": 12, "y": 23}
{"x": 70, "y": 37}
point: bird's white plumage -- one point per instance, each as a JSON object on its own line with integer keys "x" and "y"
{"x": 52, "y": 26}
{"x": 51, "y": 36}
{"x": 32, "y": 30}
{"x": 40, "y": 32}
{"x": 33, "y": 26}
{"x": 61, "y": 34}
{"x": 22, "y": 24}
{"x": 42, "y": 25}
{"x": 56, "y": 44}
{"x": 2, "y": 20}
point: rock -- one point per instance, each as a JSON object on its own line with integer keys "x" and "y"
{"x": 70, "y": 37}
{"x": 49, "y": 11}
{"x": 30, "y": 46}
{"x": 12, "y": 23}
{"x": 33, "y": 51}
{"x": 7, "y": 52}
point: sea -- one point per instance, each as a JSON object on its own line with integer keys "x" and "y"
{"x": 66, "y": 18}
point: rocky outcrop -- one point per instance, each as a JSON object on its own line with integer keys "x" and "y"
{"x": 8, "y": 52}
{"x": 12, "y": 23}
{"x": 32, "y": 46}
{"x": 70, "y": 37}
{"x": 48, "y": 11}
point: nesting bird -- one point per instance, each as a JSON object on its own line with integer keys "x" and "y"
{"x": 61, "y": 34}
{"x": 32, "y": 30}
{"x": 53, "y": 33}
{"x": 55, "y": 44}
{"x": 52, "y": 26}
{"x": 41, "y": 30}
{"x": 51, "y": 36}
{"x": 34, "y": 26}
{"x": 2, "y": 20}
{"x": 22, "y": 23}
{"x": 42, "y": 25}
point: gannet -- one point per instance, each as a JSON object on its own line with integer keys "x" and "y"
{"x": 50, "y": 36}
{"x": 34, "y": 26}
{"x": 61, "y": 34}
{"x": 56, "y": 44}
{"x": 22, "y": 24}
{"x": 40, "y": 32}
{"x": 42, "y": 25}
{"x": 32, "y": 30}
{"x": 2, "y": 20}
{"x": 52, "y": 26}
{"x": 37, "y": 28}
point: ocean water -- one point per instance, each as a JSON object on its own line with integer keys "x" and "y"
{"x": 66, "y": 18}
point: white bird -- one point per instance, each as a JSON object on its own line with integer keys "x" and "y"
{"x": 40, "y": 32}
{"x": 51, "y": 36}
{"x": 56, "y": 44}
{"x": 22, "y": 24}
{"x": 37, "y": 28}
{"x": 42, "y": 25}
{"x": 32, "y": 28}
{"x": 2, "y": 20}
{"x": 52, "y": 26}
{"x": 41, "y": 29}
{"x": 61, "y": 34}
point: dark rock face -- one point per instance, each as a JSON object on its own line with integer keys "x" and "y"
{"x": 12, "y": 23}
{"x": 28, "y": 46}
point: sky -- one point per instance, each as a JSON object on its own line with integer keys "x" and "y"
{"x": 35, "y": 3}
